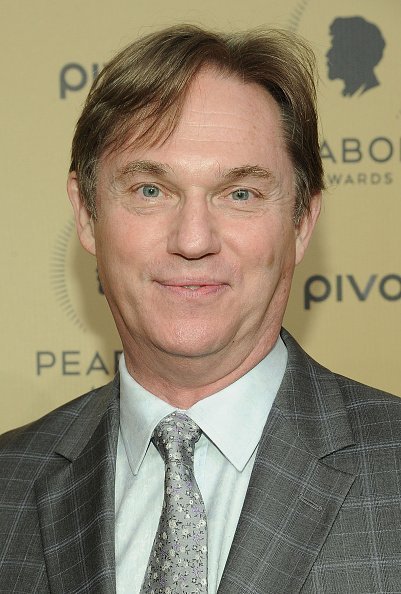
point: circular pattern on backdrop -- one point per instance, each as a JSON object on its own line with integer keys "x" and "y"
{"x": 59, "y": 275}
{"x": 76, "y": 284}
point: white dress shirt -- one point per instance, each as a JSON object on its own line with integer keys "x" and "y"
{"x": 232, "y": 422}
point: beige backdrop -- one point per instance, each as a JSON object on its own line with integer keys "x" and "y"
{"x": 58, "y": 338}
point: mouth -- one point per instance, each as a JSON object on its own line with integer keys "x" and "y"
{"x": 193, "y": 288}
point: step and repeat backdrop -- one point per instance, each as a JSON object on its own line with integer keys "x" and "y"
{"x": 58, "y": 337}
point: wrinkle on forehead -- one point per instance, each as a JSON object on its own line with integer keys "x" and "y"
{"x": 199, "y": 104}
{"x": 222, "y": 118}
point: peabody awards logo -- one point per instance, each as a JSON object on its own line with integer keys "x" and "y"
{"x": 80, "y": 296}
{"x": 356, "y": 49}
{"x": 70, "y": 264}
{"x": 359, "y": 95}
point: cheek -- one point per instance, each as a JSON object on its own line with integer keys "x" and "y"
{"x": 113, "y": 257}
{"x": 119, "y": 241}
{"x": 268, "y": 250}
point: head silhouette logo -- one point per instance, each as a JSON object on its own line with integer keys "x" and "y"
{"x": 356, "y": 49}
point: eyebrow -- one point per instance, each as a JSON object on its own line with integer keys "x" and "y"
{"x": 231, "y": 175}
{"x": 238, "y": 173}
{"x": 142, "y": 166}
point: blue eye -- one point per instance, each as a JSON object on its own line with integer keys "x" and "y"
{"x": 150, "y": 191}
{"x": 240, "y": 194}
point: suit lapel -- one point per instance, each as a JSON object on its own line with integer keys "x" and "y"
{"x": 296, "y": 488}
{"x": 76, "y": 504}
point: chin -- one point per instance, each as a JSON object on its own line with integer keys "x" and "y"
{"x": 197, "y": 343}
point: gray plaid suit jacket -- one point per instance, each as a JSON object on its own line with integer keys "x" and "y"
{"x": 322, "y": 513}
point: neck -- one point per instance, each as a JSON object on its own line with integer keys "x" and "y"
{"x": 183, "y": 381}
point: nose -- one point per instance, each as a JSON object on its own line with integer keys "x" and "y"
{"x": 193, "y": 233}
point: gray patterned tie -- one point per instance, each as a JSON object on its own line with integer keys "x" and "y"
{"x": 178, "y": 560}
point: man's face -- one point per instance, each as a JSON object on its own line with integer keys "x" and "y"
{"x": 195, "y": 239}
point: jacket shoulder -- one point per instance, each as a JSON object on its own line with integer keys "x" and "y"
{"x": 375, "y": 415}
{"x": 363, "y": 397}
{"x": 32, "y": 444}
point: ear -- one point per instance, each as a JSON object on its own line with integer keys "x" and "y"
{"x": 83, "y": 219}
{"x": 306, "y": 226}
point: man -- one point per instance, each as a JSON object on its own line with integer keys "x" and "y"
{"x": 196, "y": 181}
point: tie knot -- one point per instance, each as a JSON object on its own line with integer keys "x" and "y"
{"x": 175, "y": 437}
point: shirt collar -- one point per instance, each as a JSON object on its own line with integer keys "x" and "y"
{"x": 140, "y": 413}
{"x": 233, "y": 418}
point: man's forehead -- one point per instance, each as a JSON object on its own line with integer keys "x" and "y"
{"x": 217, "y": 100}
{"x": 225, "y": 124}
{"x": 214, "y": 101}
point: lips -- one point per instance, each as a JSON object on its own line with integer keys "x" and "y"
{"x": 191, "y": 283}
{"x": 193, "y": 286}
